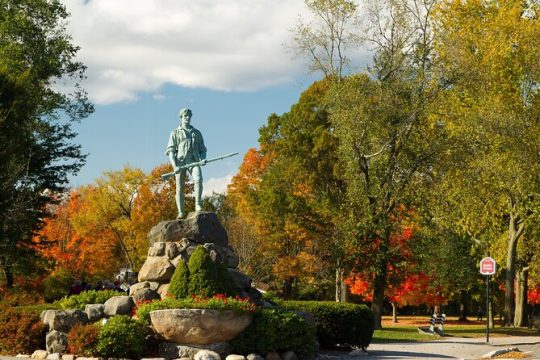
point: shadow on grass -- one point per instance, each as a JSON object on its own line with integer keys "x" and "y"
{"x": 401, "y": 334}
{"x": 503, "y": 331}
{"x": 411, "y": 334}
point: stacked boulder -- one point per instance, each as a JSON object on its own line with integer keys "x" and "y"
{"x": 59, "y": 322}
{"x": 173, "y": 241}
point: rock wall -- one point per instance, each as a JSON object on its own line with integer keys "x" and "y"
{"x": 173, "y": 241}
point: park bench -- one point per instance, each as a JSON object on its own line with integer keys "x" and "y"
{"x": 436, "y": 325}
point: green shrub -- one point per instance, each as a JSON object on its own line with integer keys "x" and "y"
{"x": 56, "y": 285}
{"x": 179, "y": 284}
{"x": 121, "y": 337}
{"x": 338, "y": 323}
{"x": 202, "y": 273}
{"x": 218, "y": 302}
{"x": 277, "y": 330}
{"x": 21, "y": 331}
{"x": 201, "y": 277}
{"x": 82, "y": 339}
{"x": 79, "y": 301}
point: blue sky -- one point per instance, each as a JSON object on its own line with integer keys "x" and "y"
{"x": 146, "y": 59}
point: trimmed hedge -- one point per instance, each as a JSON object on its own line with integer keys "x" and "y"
{"x": 338, "y": 323}
{"x": 277, "y": 330}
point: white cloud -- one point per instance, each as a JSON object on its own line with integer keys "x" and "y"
{"x": 138, "y": 45}
{"x": 217, "y": 185}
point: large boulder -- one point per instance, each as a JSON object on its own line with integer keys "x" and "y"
{"x": 198, "y": 326}
{"x": 143, "y": 295}
{"x": 63, "y": 320}
{"x": 56, "y": 342}
{"x": 94, "y": 311}
{"x": 241, "y": 280}
{"x": 156, "y": 268}
{"x": 199, "y": 227}
{"x": 119, "y": 305}
{"x": 152, "y": 285}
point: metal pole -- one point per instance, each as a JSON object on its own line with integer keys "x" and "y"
{"x": 487, "y": 310}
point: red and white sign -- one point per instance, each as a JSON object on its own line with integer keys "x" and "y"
{"x": 488, "y": 266}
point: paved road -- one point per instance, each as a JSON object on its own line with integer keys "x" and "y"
{"x": 447, "y": 348}
{"x": 451, "y": 348}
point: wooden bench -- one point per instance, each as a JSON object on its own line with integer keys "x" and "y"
{"x": 436, "y": 325}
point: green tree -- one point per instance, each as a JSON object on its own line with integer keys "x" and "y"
{"x": 37, "y": 153}
{"x": 300, "y": 193}
{"x": 489, "y": 52}
{"x": 389, "y": 140}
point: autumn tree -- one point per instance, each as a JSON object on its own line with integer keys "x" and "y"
{"x": 242, "y": 224}
{"x": 85, "y": 256}
{"x": 37, "y": 153}
{"x": 103, "y": 226}
{"x": 489, "y": 52}
{"x": 155, "y": 202}
{"x": 108, "y": 209}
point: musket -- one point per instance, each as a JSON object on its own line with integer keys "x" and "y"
{"x": 198, "y": 163}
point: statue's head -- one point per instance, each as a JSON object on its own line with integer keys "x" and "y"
{"x": 185, "y": 111}
{"x": 185, "y": 117}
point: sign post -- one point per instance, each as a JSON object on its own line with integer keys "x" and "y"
{"x": 488, "y": 267}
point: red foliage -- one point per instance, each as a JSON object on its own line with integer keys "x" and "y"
{"x": 406, "y": 286}
{"x": 533, "y": 295}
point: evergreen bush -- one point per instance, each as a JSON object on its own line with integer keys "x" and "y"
{"x": 201, "y": 277}
{"x": 277, "y": 330}
{"x": 122, "y": 337}
{"x": 202, "y": 273}
{"x": 338, "y": 323}
{"x": 179, "y": 284}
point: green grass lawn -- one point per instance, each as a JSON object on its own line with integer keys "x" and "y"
{"x": 407, "y": 332}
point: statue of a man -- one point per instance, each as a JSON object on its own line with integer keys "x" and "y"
{"x": 186, "y": 146}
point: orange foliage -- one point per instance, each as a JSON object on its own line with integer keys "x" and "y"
{"x": 246, "y": 181}
{"x": 80, "y": 254}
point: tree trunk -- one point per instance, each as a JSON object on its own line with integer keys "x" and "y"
{"x": 520, "y": 316}
{"x": 463, "y": 299}
{"x": 341, "y": 287}
{"x": 515, "y": 229}
{"x": 288, "y": 288}
{"x": 123, "y": 247}
{"x": 394, "y": 313}
{"x": 7, "y": 270}
{"x": 379, "y": 286}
